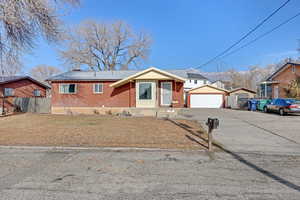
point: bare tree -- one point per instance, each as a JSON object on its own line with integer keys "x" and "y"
{"x": 42, "y": 72}
{"x": 250, "y": 78}
{"x": 293, "y": 88}
{"x": 23, "y": 21}
{"x": 10, "y": 63}
{"x": 105, "y": 46}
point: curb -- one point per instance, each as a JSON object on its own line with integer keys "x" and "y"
{"x": 116, "y": 149}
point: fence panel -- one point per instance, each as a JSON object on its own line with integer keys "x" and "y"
{"x": 33, "y": 105}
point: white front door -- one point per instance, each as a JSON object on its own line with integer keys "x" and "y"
{"x": 145, "y": 94}
{"x": 166, "y": 93}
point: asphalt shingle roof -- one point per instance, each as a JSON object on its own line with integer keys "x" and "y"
{"x": 6, "y": 79}
{"x": 10, "y": 78}
{"x": 114, "y": 75}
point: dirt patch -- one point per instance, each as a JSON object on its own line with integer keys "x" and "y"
{"x": 100, "y": 131}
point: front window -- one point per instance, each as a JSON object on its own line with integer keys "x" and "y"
{"x": 8, "y": 92}
{"x": 37, "y": 93}
{"x": 98, "y": 88}
{"x": 145, "y": 91}
{"x": 67, "y": 88}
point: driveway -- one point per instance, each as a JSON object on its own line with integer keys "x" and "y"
{"x": 244, "y": 131}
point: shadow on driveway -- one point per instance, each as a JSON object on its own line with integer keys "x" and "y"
{"x": 239, "y": 158}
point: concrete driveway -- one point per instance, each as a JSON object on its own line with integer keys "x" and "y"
{"x": 244, "y": 131}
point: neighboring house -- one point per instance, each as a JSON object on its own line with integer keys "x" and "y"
{"x": 218, "y": 84}
{"x": 238, "y": 97}
{"x": 195, "y": 80}
{"x": 85, "y": 91}
{"x": 274, "y": 86}
{"x": 207, "y": 96}
{"x": 19, "y": 86}
{"x": 243, "y": 93}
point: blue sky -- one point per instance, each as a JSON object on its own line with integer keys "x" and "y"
{"x": 187, "y": 33}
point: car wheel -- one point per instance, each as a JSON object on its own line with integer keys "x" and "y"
{"x": 281, "y": 112}
{"x": 266, "y": 110}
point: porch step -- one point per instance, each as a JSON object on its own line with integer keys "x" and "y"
{"x": 153, "y": 112}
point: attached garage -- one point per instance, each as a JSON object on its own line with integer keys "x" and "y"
{"x": 207, "y": 96}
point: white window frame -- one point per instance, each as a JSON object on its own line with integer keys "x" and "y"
{"x": 94, "y": 88}
{"x": 161, "y": 93}
{"x": 10, "y": 95}
{"x": 37, "y": 90}
{"x": 62, "y": 84}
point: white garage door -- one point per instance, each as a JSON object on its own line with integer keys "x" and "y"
{"x": 206, "y": 100}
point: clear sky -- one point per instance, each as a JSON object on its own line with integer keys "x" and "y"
{"x": 187, "y": 33}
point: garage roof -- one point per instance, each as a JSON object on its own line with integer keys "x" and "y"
{"x": 209, "y": 86}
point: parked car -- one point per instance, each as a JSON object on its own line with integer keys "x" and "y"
{"x": 262, "y": 103}
{"x": 283, "y": 106}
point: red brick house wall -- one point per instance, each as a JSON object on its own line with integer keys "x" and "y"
{"x": 85, "y": 97}
{"x": 123, "y": 96}
{"x": 284, "y": 78}
{"x": 22, "y": 88}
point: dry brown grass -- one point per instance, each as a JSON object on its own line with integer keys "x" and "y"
{"x": 100, "y": 131}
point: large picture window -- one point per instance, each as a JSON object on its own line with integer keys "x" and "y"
{"x": 67, "y": 88}
{"x": 145, "y": 91}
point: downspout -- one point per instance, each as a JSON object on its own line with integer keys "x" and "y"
{"x": 2, "y": 88}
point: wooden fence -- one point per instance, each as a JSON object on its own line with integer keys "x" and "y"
{"x": 33, "y": 105}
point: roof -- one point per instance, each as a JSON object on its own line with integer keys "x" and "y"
{"x": 9, "y": 79}
{"x": 217, "y": 88}
{"x": 245, "y": 89}
{"x": 127, "y": 79}
{"x": 108, "y": 75}
{"x": 196, "y": 76}
{"x": 280, "y": 69}
{"x": 219, "y": 81}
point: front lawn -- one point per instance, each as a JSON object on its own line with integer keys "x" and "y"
{"x": 100, "y": 131}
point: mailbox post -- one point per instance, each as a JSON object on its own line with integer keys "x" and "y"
{"x": 212, "y": 123}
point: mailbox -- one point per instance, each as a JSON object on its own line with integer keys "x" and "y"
{"x": 212, "y": 123}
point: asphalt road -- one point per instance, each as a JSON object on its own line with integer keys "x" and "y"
{"x": 261, "y": 161}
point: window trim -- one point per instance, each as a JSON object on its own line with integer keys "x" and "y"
{"x": 94, "y": 87}
{"x": 61, "y": 84}
{"x": 12, "y": 94}
{"x": 40, "y": 93}
{"x": 151, "y": 94}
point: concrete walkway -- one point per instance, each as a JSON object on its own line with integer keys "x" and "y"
{"x": 244, "y": 131}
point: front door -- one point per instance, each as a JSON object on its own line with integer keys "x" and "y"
{"x": 166, "y": 93}
{"x": 146, "y": 94}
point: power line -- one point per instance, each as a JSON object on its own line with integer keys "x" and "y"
{"x": 246, "y": 35}
{"x": 262, "y": 35}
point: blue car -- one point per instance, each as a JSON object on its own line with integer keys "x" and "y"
{"x": 283, "y": 106}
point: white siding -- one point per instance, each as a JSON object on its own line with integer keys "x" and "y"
{"x": 190, "y": 84}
